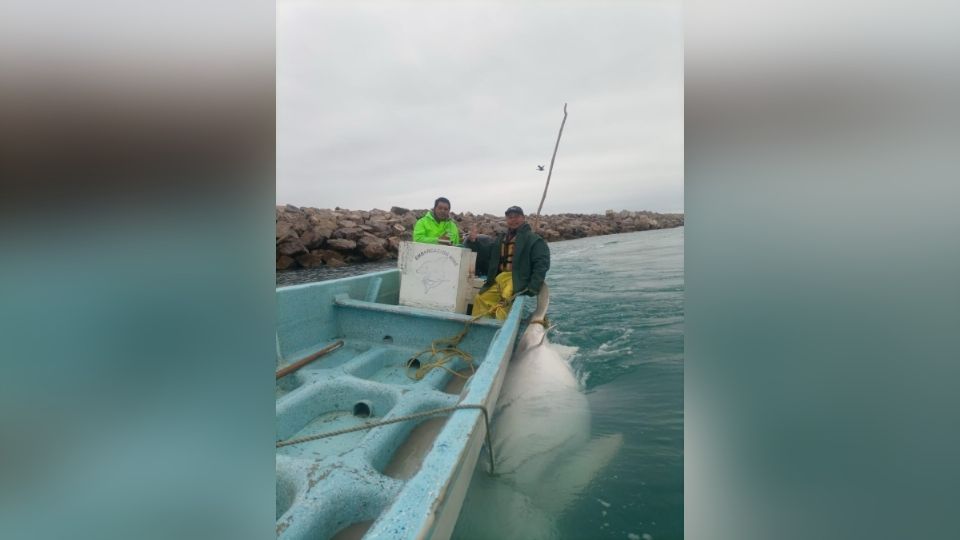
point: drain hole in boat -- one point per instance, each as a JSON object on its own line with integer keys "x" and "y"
{"x": 414, "y": 363}
{"x": 388, "y": 339}
{"x": 363, "y": 409}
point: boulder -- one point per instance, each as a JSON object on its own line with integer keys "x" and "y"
{"x": 313, "y": 238}
{"x": 550, "y": 235}
{"x": 330, "y": 255}
{"x": 291, "y": 248}
{"x": 323, "y": 222}
{"x": 372, "y": 248}
{"x": 642, "y": 223}
{"x": 378, "y": 225}
{"x": 350, "y": 233}
{"x": 336, "y": 263}
{"x": 342, "y": 244}
{"x": 398, "y": 211}
{"x": 300, "y": 223}
{"x": 285, "y": 232}
{"x": 393, "y": 244}
{"x": 347, "y": 224}
{"x": 284, "y": 262}
{"x": 310, "y": 260}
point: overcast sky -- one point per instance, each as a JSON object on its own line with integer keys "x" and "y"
{"x": 382, "y": 105}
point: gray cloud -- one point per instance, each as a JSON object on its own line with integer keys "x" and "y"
{"x": 380, "y": 105}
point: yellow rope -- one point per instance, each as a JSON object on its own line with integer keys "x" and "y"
{"x": 443, "y": 350}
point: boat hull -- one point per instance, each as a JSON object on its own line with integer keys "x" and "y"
{"x": 362, "y": 483}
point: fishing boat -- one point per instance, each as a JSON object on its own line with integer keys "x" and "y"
{"x": 372, "y": 442}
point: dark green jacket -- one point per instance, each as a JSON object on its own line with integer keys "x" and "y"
{"x": 531, "y": 260}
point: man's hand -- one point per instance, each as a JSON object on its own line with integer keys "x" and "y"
{"x": 444, "y": 239}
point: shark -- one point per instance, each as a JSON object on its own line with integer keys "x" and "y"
{"x": 543, "y": 449}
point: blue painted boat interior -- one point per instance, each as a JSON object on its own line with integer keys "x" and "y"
{"x": 391, "y": 481}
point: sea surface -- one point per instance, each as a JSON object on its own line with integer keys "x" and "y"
{"x": 619, "y": 300}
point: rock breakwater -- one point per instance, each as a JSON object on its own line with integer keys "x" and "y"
{"x": 312, "y": 237}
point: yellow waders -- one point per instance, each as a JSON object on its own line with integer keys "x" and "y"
{"x": 487, "y": 303}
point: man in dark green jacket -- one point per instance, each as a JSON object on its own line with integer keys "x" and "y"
{"x": 518, "y": 261}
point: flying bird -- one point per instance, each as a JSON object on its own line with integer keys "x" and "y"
{"x": 539, "y": 167}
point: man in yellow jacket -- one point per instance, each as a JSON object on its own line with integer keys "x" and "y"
{"x": 436, "y": 227}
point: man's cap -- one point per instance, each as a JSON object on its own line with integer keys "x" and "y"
{"x": 514, "y": 210}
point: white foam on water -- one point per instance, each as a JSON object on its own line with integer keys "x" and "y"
{"x": 582, "y": 377}
{"x": 565, "y": 351}
{"x": 604, "y": 503}
{"x": 619, "y": 344}
{"x": 633, "y": 536}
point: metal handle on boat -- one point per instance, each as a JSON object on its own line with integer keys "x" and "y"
{"x": 283, "y": 372}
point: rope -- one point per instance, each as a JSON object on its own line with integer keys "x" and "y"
{"x": 423, "y": 414}
{"x": 443, "y": 350}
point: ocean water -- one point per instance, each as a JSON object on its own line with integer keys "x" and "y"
{"x": 618, "y": 300}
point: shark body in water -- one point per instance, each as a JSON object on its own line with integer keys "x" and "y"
{"x": 544, "y": 454}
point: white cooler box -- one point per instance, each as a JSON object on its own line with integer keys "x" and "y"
{"x": 437, "y": 277}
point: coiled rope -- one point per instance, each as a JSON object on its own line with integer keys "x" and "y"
{"x": 443, "y": 350}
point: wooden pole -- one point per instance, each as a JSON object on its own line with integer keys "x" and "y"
{"x": 283, "y": 372}
{"x": 536, "y": 219}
